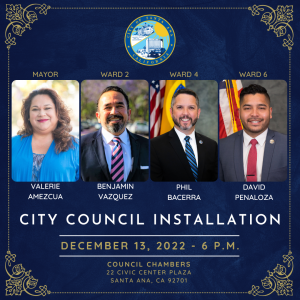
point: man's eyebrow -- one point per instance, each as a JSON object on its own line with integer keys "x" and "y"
{"x": 250, "y": 105}
{"x": 109, "y": 104}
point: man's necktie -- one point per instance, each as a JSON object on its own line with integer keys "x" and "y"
{"x": 117, "y": 161}
{"x": 252, "y": 159}
{"x": 191, "y": 157}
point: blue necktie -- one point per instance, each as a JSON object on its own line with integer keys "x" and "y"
{"x": 191, "y": 157}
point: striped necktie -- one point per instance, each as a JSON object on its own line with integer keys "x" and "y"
{"x": 117, "y": 161}
{"x": 191, "y": 157}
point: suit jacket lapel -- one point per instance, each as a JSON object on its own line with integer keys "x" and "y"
{"x": 135, "y": 151}
{"x": 268, "y": 154}
{"x": 176, "y": 144}
{"x": 201, "y": 157}
{"x": 238, "y": 157}
{"x": 97, "y": 145}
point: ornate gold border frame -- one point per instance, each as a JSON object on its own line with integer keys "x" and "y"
{"x": 278, "y": 20}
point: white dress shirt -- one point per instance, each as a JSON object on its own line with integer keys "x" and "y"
{"x": 108, "y": 145}
{"x": 193, "y": 142}
{"x": 260, "y": 148}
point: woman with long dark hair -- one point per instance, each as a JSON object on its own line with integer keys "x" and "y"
{"x": 44, "y": 150}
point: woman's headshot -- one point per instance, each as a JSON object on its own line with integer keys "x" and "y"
{"x": 43, "y": 149}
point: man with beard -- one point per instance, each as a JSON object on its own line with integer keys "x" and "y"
{"x": 113, "y": 153}
{"x": 183, "y": 154}
{"x": 255, "y": 153}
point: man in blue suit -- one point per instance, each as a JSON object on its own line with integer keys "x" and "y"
{"x": 113, "y": 153}
{"x": 255, "y": 153}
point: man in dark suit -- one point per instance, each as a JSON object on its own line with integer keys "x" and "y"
{"x": 255, "y": 153}
{"x": 113, "y": 153}
{"x": 182, "y": 154}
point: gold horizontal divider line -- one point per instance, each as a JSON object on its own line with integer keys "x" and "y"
{"x": 179, "y": 8}
{"x": 148, "y": 292}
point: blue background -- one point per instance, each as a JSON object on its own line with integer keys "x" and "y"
{"x": 216, "y": 43}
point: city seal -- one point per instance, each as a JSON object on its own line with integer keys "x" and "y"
{"x": 150, "y": 40}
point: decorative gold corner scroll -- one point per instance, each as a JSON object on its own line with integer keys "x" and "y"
{"x": 278, "y": 21}
{"x": 278, "y": 281}
{"x": 20, "y": 280}
{"x": 20, "y": 19}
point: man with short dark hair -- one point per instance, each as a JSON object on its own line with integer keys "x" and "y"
{"x": 255, "y": 153}
{"x": 113, "y": 153}
{"x": 182, "y": 154}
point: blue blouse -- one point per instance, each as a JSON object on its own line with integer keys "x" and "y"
{"x": 55, "y": 167}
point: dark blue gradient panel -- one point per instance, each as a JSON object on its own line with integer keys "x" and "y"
{"x": 157, "y": 242}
